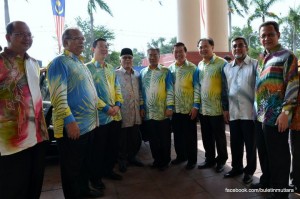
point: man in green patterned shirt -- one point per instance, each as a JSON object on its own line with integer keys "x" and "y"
{"x": 211, "y": 112}
{"x": 187, "y": 102}
{"x": 158, "y": 104}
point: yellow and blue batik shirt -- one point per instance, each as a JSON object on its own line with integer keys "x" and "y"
{"x": 186, "y": 87}
{"x": 73, "y": 94}
{"x": 157, "y": 92}
{"x": 108, "y": 89}
{"x": 210, "y": 78}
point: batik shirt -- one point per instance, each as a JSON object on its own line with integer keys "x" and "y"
{"x": 186, "y": 87}
{"x": 277, "y": 85}
{"x": 295, "y": 124}
{"x": 22, "y": 123}
{"x": 239, "y": 84}
{"x": 130, "y": 110}
{"x": 73, "y": 94}
{"x": 157, "y": 92}
{"x": 108, "y": 89}
{"x": 210, "y": 78}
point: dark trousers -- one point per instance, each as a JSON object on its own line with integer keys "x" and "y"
{"x": 22, "y": 173}
{"x": 74, "y": 164}
{"x": 213, "y": 134}
{"x": 295, "y": 148}
{"x": 160, "y": 141}
{"x": 274, "y": 155}
{"x": 106, "y": 147}
{"x": 242, "y": 133}
{"x": 130, "y": 141}
{"x": 185, "y": 137}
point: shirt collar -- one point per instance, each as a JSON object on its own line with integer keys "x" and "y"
{"x": 185, "y": 63}
{"x": 246, "y": 61}
{"x": 97, "y": 64}
{"x": 125, "y": 71}
{"x": 73, "y": 56}
{"x": 12, "y": 55}
{"x": 277, "y": 48}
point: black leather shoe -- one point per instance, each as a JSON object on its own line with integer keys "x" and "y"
{"x": 136, "y": 162}
{"x": 97, "y": 184}
{"x": 114, "y": 176}
{"x": 206, "y": 165}
{"x": 258, "y": 185}
{"x": 190, "y": 166}
{"x": 233, "y": 173}
{"x": 122, "y": 167}
{"x": 177, "y": 161}
{"x": 247, "y": 178}
{"x": 219, "y": 168}
{"x": 92, "y": 194}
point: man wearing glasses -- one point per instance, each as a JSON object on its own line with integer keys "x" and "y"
{"x": 277, "y": 87}
{"x": 23, "y": 129}
{"x": 75, "y": 102}
{"x": 238, "y": 78}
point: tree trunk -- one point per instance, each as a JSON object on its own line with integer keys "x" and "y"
{"x": 92, "y": 27}
{"x": 6, "y": 12}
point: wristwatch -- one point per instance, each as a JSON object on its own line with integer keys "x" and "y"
{"x": 285, "y": 112}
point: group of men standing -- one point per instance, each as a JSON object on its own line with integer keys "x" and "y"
{"x": 97, "y": 111}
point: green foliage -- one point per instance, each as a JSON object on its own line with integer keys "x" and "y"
{"x": 238, "y": 6}
{"x": 99, "y": 31}
{"x": 114, "y": 59}
{"x": 137, "y": 57}
{"x": 162, "y": 45}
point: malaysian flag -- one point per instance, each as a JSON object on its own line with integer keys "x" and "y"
{"x": 58, "y": 9}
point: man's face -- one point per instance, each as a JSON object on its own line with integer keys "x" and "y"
{"x": 153, "y": 57}
{"x": 239, "y": 49}
{"x": 179, "y": 54}
{"x": 21, "y": 39}
{"x": 268, "y": 37}
{"x": 126, "y": 61}
{"x": 205, "y": 49}
{"x": 101, "y": 50}
{"x": 75, "y": 43}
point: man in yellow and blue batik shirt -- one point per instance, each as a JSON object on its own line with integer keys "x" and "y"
{"x": 158, "y": 104}
{"x": 211, "y": 112}
{"x": 75, "y": 102}
{"x": 105, "y": 147}
{"x": 187, "y": 102}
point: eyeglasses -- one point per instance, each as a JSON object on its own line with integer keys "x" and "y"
{"x": 127, "y": 57}
{"x": 22, "y": 34}
{"x": 235, "y": 46}
{"x": 77, "y": 38}
{"x": 271, "y": 34}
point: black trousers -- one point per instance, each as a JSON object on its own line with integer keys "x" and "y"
{"x": 74, "y": 164}
{"x": 106, "y": 148}
{"x": 213, "y": 134}
{"x": 242, "y": 133}
{"x": 185, "y": 137}
{"x": 274, "y": 155}
{"x": 295, "y": 148}
{"x": 130, "y": 141}
{"x": 160, "y": 140}
{"x": 22, "y": 173}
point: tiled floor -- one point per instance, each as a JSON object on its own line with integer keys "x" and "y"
{"x": 173, "y": 183}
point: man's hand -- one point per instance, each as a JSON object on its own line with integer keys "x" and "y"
{"x": 116, "y": 109}
{"x": 73, "y": 130}
{"x": 282, "y": 122}
{"x": 193, "y": 113}
{"x": 111, "y": 111}
{"x": 226, "y": 116}
{"x": 168, "y": 113}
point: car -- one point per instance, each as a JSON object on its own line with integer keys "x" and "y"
{"x": 47, "y": 109}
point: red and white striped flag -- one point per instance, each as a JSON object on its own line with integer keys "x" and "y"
{"x": 58, "y": 9}
{"x": 203, "y": 17}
